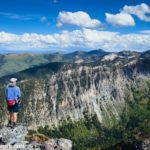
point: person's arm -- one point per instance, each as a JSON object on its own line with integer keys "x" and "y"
{"x": 6, "y": 93}
{"x": 18, "y": 94}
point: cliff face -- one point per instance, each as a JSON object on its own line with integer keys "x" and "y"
{"x": 103, "y": 88}
{"x": 69, "y": 94}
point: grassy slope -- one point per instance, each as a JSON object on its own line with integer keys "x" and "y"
{"x": 14, "y": 62}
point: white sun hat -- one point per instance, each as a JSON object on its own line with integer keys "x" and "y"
{"x": 13, "y": 80}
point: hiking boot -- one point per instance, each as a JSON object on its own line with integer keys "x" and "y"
{"x": 9, "y": 124}
{"x": 13, "y": 125}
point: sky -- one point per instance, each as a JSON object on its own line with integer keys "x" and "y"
{"x": 69, "y": 25}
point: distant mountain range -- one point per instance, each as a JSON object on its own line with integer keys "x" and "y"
{"x": 40, "y": 64}
{"x": 11, "y": 63}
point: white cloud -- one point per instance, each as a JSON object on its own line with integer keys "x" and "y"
{"x": 27, "y": 17}
{"x": 18, "y": 16}
{"x": 43, "y": 19}
{"x": 142, "y": 11}
{"x": 120, "y": 19}
{"x": 124, "y": 17}
{"x": 74, "y": 40}
{"x": 80, "y": 18}
{"x": 145, "y": 31}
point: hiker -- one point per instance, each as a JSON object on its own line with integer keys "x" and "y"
{"x": 12, "y": 95}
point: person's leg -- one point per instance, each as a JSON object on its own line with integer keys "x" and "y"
{"x": 15, "y": 113}
{"x": 9, "y": 117}
{"x": 15, "y": 117}
{"x": 12, "y": 117}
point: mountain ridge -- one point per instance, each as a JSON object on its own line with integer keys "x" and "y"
{"x": 54, "y": 66}
{"x": 11, "y": 63}
{"x": 103, "y": 102}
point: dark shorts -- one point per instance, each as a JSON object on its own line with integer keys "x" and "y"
{"x": 14, "y": 108}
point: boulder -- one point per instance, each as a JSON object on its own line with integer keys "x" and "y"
{"x": 15, "y": 139}
{"x": 58, "y": 144}
{"x": 13, "y": 136}
{"x": 146, "y": 144}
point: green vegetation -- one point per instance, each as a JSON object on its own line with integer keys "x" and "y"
{"x": 13, "y": 63}
{"x": 3, "y": 107}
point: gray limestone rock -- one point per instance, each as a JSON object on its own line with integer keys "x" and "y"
{"x": 58, "y": 144}
{"x": 146, "y": 144}
{"x": 13, "y": 136}
{"x": 14, "y": 139}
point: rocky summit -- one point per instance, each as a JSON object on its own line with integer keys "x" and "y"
{"x": 16, "y": 139}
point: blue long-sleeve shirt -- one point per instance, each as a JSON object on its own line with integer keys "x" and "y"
{"x": 12, "y": 92}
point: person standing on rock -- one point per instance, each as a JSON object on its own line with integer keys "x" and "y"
{"x": 12, "y": 95}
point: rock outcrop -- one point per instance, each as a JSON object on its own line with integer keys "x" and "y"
{"x": 15, "y": 139}
{"x": 146, "y": 144}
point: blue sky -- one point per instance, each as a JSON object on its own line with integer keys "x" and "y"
{"x": 68, "y": 25}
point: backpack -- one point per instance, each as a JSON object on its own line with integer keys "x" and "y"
{"x": 11, "y": 103}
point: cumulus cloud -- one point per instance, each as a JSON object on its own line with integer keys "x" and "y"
{"x": 142, "y": 11}
{"x": 80, "y": 18}
{"x": 74, "y": 40}
{"x": 124, "y": 17}
{"x": 120, "y": 19}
